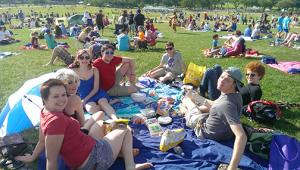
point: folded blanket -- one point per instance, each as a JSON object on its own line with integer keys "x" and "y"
{"x": 292, "y": 67}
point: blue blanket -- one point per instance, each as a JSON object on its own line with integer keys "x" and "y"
{"x": 199, "y": 154}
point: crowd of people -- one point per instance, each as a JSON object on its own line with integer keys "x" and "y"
{"x": 95, "y": 74}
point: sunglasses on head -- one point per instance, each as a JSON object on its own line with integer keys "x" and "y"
{"x": 84, "y": 57}
{"x": 251, "y": 75}
{"x": 109, "y": 52}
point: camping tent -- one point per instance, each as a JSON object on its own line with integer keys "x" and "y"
{"x": 75, "y": 19}
{"x": 22, "y": 110}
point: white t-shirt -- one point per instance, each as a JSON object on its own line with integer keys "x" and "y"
{"x": 255, "y": 33}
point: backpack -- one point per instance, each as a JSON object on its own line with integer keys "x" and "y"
{"x": 10, "y": 147}
{"x": 268, "y": 60}
{"x": 263, "y": 111}
{"x": 259, "y": 144}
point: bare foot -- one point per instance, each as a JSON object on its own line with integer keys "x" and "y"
{"x": 143, "y": 166}
{"x": 135, "y": 152}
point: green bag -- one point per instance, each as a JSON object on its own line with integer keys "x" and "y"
{"x": 259, "y": 144}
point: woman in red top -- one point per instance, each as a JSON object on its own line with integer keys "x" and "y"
{"x": 61, "y": 135}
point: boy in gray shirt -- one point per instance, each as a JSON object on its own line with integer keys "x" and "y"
{"x": 171, "y": 65}
{"x": 223, "y": 120}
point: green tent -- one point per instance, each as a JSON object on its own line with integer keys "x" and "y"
{"x": 75, "y": 19}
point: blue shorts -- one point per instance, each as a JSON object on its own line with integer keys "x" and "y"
{"x": 286, "y": 30}
{"x": 101, "y": 157}
{"x": 101, "y": 94}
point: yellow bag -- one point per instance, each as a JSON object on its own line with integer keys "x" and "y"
{"x": 171, "y": 138}
{"x": 194, "y": 74}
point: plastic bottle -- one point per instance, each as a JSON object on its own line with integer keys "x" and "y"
{"x": 178, "y": 150}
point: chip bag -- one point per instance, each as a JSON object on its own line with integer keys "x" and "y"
{"x": 171, "y": 138}
{"x": 194, "y": 74}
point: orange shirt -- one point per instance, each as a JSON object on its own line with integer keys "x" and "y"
{"x": 142, "y": 36}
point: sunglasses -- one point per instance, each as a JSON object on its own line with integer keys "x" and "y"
{"x": 251, "y": 75}
{"x": 84, "y": 57}
{"x": 109, "y": 52}
{"x": 169, "y": 48}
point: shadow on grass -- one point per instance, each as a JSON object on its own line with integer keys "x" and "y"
{"x": 290, "y": 122}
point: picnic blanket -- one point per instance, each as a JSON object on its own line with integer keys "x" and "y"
{"x": 287, "y": 66}
{"x": 198, "y": 153}
{"x": 7, "y": 54}
{"x": 232, "y": 36}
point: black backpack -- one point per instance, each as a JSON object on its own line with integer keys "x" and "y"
{"x": 10, "y": 147}
{"x": 263, "y": 111}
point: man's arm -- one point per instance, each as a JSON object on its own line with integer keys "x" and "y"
{"x": 239, "y": 145}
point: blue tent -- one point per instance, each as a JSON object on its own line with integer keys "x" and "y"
{"x": 22, "y": 110}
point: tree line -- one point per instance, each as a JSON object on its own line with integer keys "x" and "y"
{"x": 191, "y": 4}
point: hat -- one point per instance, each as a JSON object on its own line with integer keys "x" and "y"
{"x": 47, "y": 30}
{"x": 236, "y": 75}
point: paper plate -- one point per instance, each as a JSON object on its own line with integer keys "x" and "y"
{"x": 164, "y": 120}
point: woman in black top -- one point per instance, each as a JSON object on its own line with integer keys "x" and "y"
{"x": 255, "y": 71}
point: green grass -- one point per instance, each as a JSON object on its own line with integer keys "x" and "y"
{"x": 276, "y": 86}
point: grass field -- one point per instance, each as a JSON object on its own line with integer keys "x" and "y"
{"x": 276, "y": 86}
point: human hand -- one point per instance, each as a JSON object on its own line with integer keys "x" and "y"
{"x": 27, "y": 158}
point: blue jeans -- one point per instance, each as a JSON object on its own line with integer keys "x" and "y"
{"x": 209, "y": 82}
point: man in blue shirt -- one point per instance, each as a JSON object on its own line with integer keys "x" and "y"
{"x": 123, "y": 41}
{"x": 248, "y": 31}
{"x": 286, "y": 23}
{"x": 280, "y": 22}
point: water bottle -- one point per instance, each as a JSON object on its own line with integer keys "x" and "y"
{"x": 178, "y": 150}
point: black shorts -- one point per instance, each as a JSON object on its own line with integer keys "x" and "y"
{"x": 100, "y": 26}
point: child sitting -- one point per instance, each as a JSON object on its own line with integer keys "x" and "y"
{"x": 139, "y": 41}
{"x": 215, "y": 47}
{"x": 34, "y": 41}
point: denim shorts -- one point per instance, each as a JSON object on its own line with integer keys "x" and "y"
{"x": 101, "y": 157}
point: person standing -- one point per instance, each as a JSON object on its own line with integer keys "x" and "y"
{"x": 99, "y": 21}
{"x": 139, "y": 19}
{"x": 131, "y": 23}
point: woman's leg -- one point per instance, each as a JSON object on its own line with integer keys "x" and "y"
{"x": 120, "y": 140}
{"x": 92, "y": 107}
{"x": 106, "y": 107}
{"x": 95, "y": 117}
{"x": 98, "y": 130}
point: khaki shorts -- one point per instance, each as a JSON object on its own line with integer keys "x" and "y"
{"x": 117, "y": 89}
{"x": 164, "y": 72}
{"x": 195, "y": 120}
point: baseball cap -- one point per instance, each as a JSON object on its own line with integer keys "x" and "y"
{"x": 236, "y": 75}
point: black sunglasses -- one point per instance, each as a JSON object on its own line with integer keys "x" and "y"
{"x": 84, "y": 57}
{"x": 251, "y": 75}
{"x": 169, "y": 48}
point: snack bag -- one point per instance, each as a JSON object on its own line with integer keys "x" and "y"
{"x": 171, "y": 138}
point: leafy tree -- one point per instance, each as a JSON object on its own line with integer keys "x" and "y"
{"x": 267, "y": 3}
{"x": 235, "y": 3}
{"x": 287, "y": 4}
